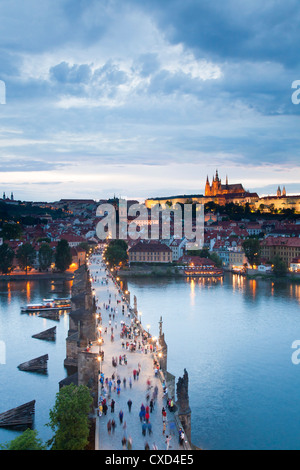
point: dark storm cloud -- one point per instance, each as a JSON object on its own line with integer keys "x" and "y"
{"x": 248, "y": 29}
{"x": 149, "y": 82}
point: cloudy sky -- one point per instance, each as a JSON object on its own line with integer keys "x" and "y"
{"x": 145, "y": 98}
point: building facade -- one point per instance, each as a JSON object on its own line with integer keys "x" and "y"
{"x": 286, "y": 248}
{"x": 150, "y": 252}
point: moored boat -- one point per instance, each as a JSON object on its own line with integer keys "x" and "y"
{"x": 48, "y": 305}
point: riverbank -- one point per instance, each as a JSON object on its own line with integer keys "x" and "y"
{"x": 37, "y": 277}
{"x": 292, "y": 278}
{"x": 147, "y": 270}
{"x": 171, "y": 271}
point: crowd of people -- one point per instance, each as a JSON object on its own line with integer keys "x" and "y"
{"x": 120, "y": 381}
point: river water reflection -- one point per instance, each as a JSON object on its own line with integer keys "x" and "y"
{"x": 234, "y": 337}
{"x": 16, "y": 330}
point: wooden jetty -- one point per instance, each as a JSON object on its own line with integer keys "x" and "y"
{"x": 47, "y": 335}
{"x": 19, "y": 417}
{"x": 38, "y": 365}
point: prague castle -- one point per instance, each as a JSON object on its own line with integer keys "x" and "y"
{"x": 217, "y": 192}
{"x": 223, "y": 194}
{"x": 219, "y": 189}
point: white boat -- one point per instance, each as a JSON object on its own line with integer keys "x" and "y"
{"x": 48, "y": 305}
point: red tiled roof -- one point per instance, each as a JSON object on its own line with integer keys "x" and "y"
{"x": 150, "y": 247}
{"x": 281, "y": 241}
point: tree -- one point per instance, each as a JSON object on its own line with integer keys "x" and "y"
{"x": 63, "y": 256}
{"x": 214, "y": 257}
{"x": 45, "y": 257}
{"x": 252, "y": 251}
{"x": 11, "y": 231}
{"x": 279, "y": 267}
{"x": 116, "y": 252}
{"x": 26, "y": 441}
{"x": 6, "y": 258}
{"x": 85, "y": 246}
{"x": 26, "y": 256}
{"x": 69, "y": 419}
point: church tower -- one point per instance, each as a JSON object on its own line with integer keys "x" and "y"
{"x": 284, "y": 192}
{"x": 216, "y": 186}
{"x": 278, "y": 192}
{"x": 207, "y": 188}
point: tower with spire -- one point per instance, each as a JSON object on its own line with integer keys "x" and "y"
{"x": 215, "y": 188}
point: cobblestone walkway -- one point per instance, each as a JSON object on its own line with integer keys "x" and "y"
{"x": 131, "y": 426}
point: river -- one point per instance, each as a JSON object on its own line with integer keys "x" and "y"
{"x": 16, "y": 330}
{"x": 234, "y": 337}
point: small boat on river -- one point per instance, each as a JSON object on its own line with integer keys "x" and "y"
{"x": 48, "y": 305}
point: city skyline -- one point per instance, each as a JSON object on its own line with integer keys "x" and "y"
{"x": 111, "y": 97}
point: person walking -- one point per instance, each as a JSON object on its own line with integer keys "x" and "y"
{"x": 181, "y": 437}
{"x": 151, "y": 406}
{"x": 129, "y": 403}
{"x": 109, "y": 427}
{"x": 168, "y": 439}
{"x": 129, "y": 443}
{"x": 124, "y": 442}
{"x": 164, "y": 427}
{"x": 112, "y": 406}
{"x": 113, "y": 426}
{"x": 144, "y": 428}
{"x": 121, "y": 415}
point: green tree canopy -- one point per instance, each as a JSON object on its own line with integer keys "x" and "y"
{"x": 116, "y": 252}
{"x": 69, "y": 418}
{"x": 11, "y": 231}
{"x": 279, "y": 267}
{"x": 45, "y": 256}
{"x": 252, "y": 251}
{"x": 63, "y": 256}
{"x": 26, "y": 256}
{"x": 26, "y": 441}
{"x": 6, "y": 258}
{"x": 85, "y": 246}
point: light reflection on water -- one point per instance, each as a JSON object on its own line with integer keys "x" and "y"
{"x": 16, "y": 332}
{"x": 234, "y": 337}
